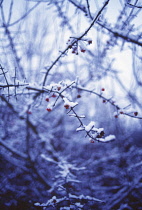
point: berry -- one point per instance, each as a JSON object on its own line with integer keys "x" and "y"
{"x": 59, "y": 88}
{"x": 53, "y": 96}
{"x": 69, "y": 46}
{"x": 92, "y": 141}
{"x": 49, "y": 110}
{"x": 82, "y": 50}
{"x": 66, "y": 106}
{"x": 116, "y": 116}
{"x": 47, "y": 99}
{"x": 104, "y": 101}
{"x": 121, "y": 112}
{"x": 29, "y": 112}
{"x": 103, "y": 89}
{"x": 78, "y": 96}
{"x": 89, "y": 41}
{"x": 135, "y": 113}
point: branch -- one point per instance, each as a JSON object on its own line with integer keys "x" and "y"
{"x": 107, "y": 100}
{"x": 117, "y": 34}
{"x": 20, "y": 154}
{"x": 131, "y": 5}
{"x": 78, "y": 5}
{"x": 75, "y": 41}
{"x": 25, "y": 15}
{"x": 5, "y": 77}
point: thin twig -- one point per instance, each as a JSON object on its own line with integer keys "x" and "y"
{"x": 75, "y": 41}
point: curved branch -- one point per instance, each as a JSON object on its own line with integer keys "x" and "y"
{"x": 75, "y": 41}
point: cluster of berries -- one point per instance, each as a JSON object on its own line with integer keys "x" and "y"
{"x": 75, "y": 44}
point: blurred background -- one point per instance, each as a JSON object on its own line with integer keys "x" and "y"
{"x": 90, "y": 53}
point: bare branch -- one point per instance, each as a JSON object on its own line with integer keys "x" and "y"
{"x": 75, "y": 41}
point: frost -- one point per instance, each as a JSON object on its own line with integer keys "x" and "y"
{"x": 110, "y": 138}
{"x": 35, "y": 85}
{"x": 65, "y": 208}
{"x": 37, "y": 204}
{"x": 80, "y": 129}
{"x": 99, "y": 130}
{"x": 89, "y": 126}
{"x": 48, "y": 159}
{"x": 79, "y": 205}
{"x": 50, "y": 106}
{"x": 74, "y": 115}
{"x": 69, "y": 103}
{"x": 84, "y": 197}
{"x": 107, "y": 138}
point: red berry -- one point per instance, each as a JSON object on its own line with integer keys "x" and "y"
{"x": 78, "y": 96}
{"x": 116, "y": 116}
{"x": 82, "y": 50}
{"x": 89, "y": 41}
{"x": 121, "y": 112}
{"x": 135, "y": 113}
{"x": 53, "y": 96}
{"x": 59, "y": 88}
{"x": 103, "y": 89}
{"x": 49, "y": 110}
{"x": 66, "y": 106}
{"x": 104, "y": 101}
{"x": 47, "y": 99}
{"x": 29, "y": 112}
{"x": 92, "y": 141}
